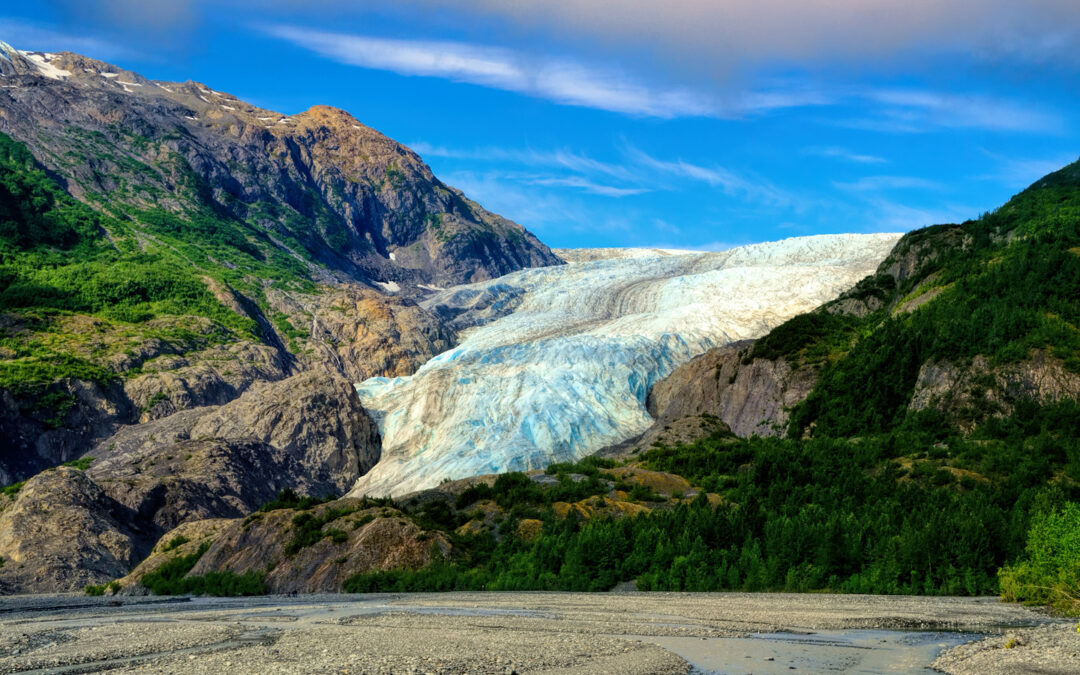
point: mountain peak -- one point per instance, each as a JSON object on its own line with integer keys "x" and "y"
{"x": 320, "y": 186}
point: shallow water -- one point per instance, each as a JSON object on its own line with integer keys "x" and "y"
{"x": 846, "y": 651}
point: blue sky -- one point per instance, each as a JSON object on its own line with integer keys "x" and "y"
{"x": 686, "y": 123}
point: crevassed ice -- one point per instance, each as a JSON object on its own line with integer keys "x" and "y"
{"x": 559, "y": 360}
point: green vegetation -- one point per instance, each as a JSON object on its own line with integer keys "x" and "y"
{"x": 1005, "y": 285}
{"x": 82, "y": 463}
{"x": 170, "y": 579}
{"x": 98, "y": 591}
{"x": 1049, "y": 573}
{"x": 288, "y": 499}
{"x": 309, "y": 528}
{"x": 176, "y": 542}
{"x": 78, "y": 289}
{"x": 13, "y": 489}
{"x": 866, "y": 495}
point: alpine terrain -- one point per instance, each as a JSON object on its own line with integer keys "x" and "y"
{"x": 191, "y": 286}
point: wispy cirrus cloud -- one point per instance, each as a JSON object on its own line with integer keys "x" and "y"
{"x": 753, "y": 188}
{"x": 576, "y": 83}
{"x": 884, "y": 183}
{"x": 916, "y": 111}
{"x": 561, "y": 158}
{"x": 560, "y": 80}
{"x": 640, "y": 172}
{"x": 834, "y": 152}
{"x": 585, "y": 185}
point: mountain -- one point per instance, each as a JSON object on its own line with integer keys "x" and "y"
{"x": 340, "y": 199}
{"x": 916, "y": 434}
{"x": 164, "y": 246}
{"x": 960, "y": 326}
{"x": 558, "y": 361}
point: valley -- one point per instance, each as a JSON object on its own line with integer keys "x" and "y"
{"x": 244, "y": 353}
{"x": 525, "y": 633}
{"x": 555, "y": 363}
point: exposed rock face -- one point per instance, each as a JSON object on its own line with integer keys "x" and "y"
{"x": 369, "y": 540}
{"x": 67, "y": 529}
{"x": 197, "y": 479}
{"x": 213, "y": 376}
{"x": 314, "y": 418}
{"x": 63, "y": 532}
{"x": 361, "y": 333}
{"x": 968, "y": 393}
{"x": 30, "y": 443}
{"x": 311, "y": 425}
{"x": 379, "y": 214}
{"x": 752, "y": 398}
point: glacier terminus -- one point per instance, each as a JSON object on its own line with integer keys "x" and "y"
{"x": 555, "y": 363}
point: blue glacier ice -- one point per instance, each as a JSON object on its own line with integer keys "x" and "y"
{"x": 555, "y": 363}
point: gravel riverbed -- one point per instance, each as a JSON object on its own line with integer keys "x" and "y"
{"x": 626, "y": 633}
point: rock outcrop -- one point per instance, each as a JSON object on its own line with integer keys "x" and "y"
{"x": 61, "y": 531}
{"x": 311, "y": 426}
{"x": 354, "y": 537}
{"x": 197, "y": 479}
{"x": 751, "y": 396}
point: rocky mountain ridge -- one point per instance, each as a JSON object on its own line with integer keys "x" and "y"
{"x": 351, "y": 203}
{"x": 210, "y": 245}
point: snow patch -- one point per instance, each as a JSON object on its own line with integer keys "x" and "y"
{"x": 389, "y": 286}
{"x": 392, "y": 256}
{"x": 429, "y": 287}
{"x": 44, "y": 67}
{"x": 110, "y": 75}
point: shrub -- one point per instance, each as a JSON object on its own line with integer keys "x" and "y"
{"x": 176, "y": 542}
{"x": 289, "y": 499}
{"x": 1050, "y": 572}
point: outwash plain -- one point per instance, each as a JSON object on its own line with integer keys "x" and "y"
{"x": 503, "y": 633}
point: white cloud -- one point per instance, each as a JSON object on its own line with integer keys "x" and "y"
{"x": 844, "y": 154}
{"x": 565, "y": 159}
{"x": 559, "y": 80}
{"x": 883, "y": 183}
{"x": 585, "y": 185}
{"x": 31, "y": 37}
{"x": 755, "y": 189}
{"x": 916, "y": 110}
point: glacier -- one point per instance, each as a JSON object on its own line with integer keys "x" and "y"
{"x": 555, "y": 363}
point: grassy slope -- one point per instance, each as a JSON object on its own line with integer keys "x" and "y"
{"x": 79, "y": 285}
